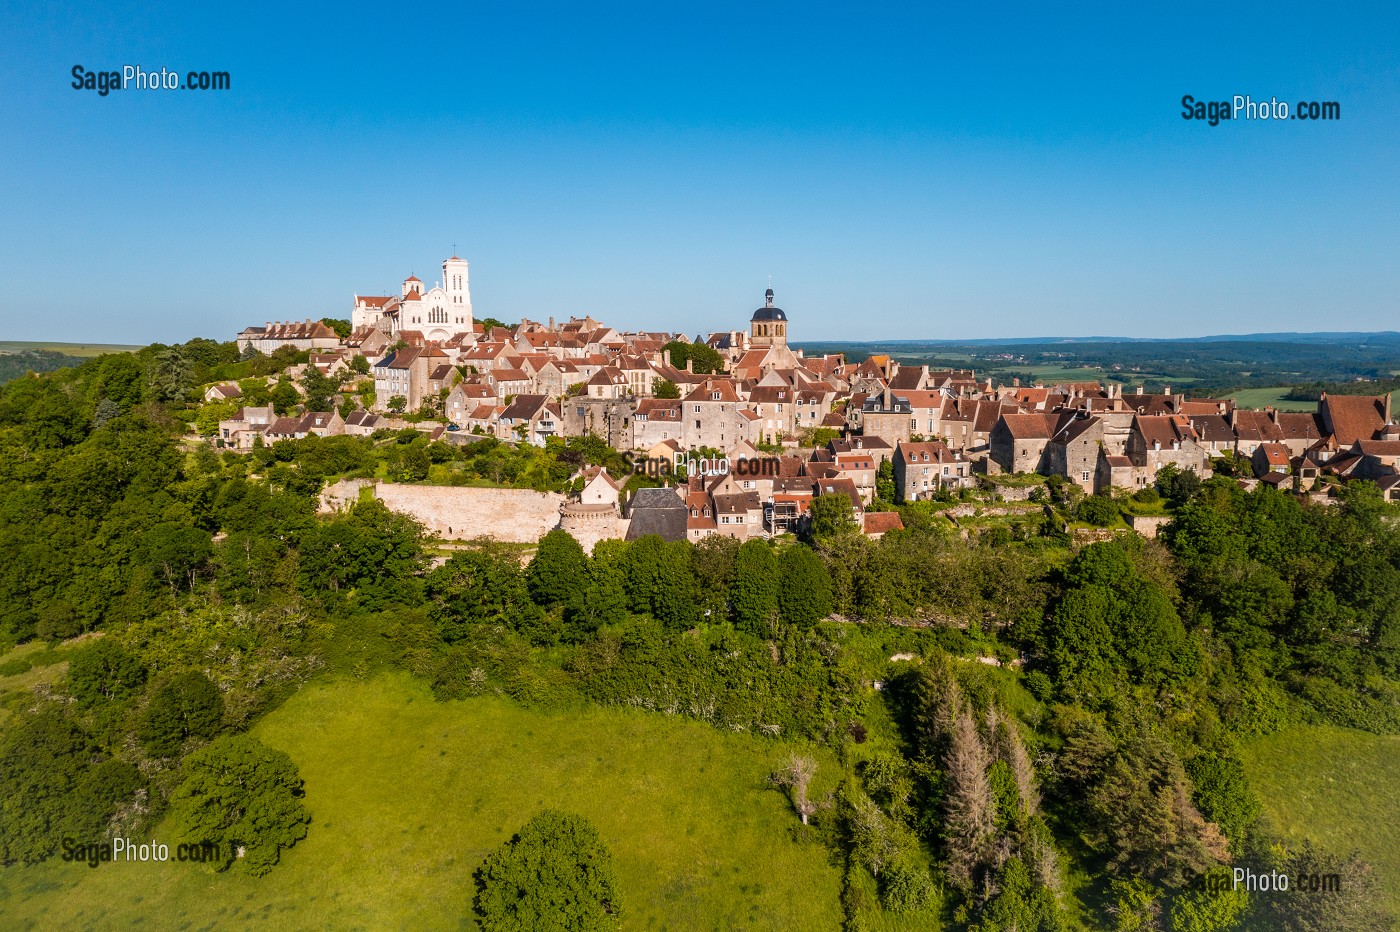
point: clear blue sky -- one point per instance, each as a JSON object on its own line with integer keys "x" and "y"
{"x": 974, "y": 171}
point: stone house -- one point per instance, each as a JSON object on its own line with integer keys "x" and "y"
{"x": 1157, "y": 440}
{"x": 1018, "y": 441}
{"x": 922, "y": 469}
{"x": 530, "y": 418}
{"x": 1074, "y": 451}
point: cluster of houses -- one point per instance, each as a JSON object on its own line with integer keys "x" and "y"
{"x": 940, "y": 429}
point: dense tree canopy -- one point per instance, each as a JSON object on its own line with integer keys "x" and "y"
{"x": 556, "y": 874}
{"x": 244, "y": 797}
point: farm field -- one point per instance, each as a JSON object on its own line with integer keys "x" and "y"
{"x": 409, "y": 795}
{"x": 1270, "y": 398}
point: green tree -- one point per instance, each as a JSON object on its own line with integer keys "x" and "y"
{"x": 120, "y": 380}
{"x": 556, "y": 874}
{"x": 210, "y": 414}
{"x": 665, "y": 388}
{"x": 320, "y": 390}
{"x": 753, "y": 592}
{"x": 483, "y": 586}
{"x": 804, "y": 587}
{"x": 54, "y": 784}
{"x": 284, "y": 397}
{"x": 189, "y": 706}
{"x": 884, "y": 481}
{"x": 101, "y": 671}
{"x": 558, "y": 572}
{"x": 706, "y": 359}
{"x": 832, "y": 515}
{"x": 371, "y": 549}
{"x": 241, "y": 795}
{"x": 410, "y": 463}
{"x": 1098, "y": 510}
{"x": 170, "y": 375}
{"x": 176, "y": 552}
{"x": 340, "y": 325}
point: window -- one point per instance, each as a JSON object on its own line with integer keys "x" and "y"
{"x": 1086, "y": 475}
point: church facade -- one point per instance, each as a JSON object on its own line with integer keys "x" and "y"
{"x": 440, "y": 313}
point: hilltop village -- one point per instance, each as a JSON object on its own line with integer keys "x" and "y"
{"x": 818, "y": 425}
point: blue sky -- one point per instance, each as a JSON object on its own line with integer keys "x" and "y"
{"x": 918, "y": 173}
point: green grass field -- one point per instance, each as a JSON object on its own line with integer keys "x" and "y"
{"x": 1339, "y": 787}
{"x": 68, "y": 349}
{"x": 1270, "y": 398}
{"x": 46, "y": 667}
{"x": 1273, "y": 397}
{"x": 409, "y": 795}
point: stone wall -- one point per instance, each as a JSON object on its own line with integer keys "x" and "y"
{"x": 1148, "y": 525}
{"x": 460, "y": 512}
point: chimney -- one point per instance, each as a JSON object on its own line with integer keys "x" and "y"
{"x": 690, "y": 364}
{"x": 1016, "y": 382}
{"x": 887, "y": 397}
{"x": 1166, "y": 389}
{"x": 666, "y": 357}
{"x": 551, "y": 324}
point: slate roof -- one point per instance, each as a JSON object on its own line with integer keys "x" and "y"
{"x": 657, "y": 511}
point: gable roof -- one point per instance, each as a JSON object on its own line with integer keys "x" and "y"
{"x": 1353, "y": 417}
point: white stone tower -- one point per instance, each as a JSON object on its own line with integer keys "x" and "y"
{"x": 459, "y": 296}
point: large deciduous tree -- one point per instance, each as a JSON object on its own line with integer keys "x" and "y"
{"x": 189, "y": 706}
{"x": 241, "y": 796}
{"x": 804, "y": 587}
{"x": 555, "y": 874}
{"x": 103, "y": 671}
{"x": 753, "y": 593}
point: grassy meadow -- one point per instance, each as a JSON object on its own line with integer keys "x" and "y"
{"x": 1337, "y": 786}
{"x": 409, "y": 795}
{"x": 1270, "y": 398}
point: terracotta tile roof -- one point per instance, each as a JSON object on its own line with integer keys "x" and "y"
{"x": 1298, "y": 425}
{"x": 882, "y": 522}
{"x": 1256, "y": 425}
{"x": 1038, "y": 426}
{"x": 1353, "y": 417}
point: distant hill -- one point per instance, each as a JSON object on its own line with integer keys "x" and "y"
{"x": 67, "y": 349}
{"x": 1385, "y": 337}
